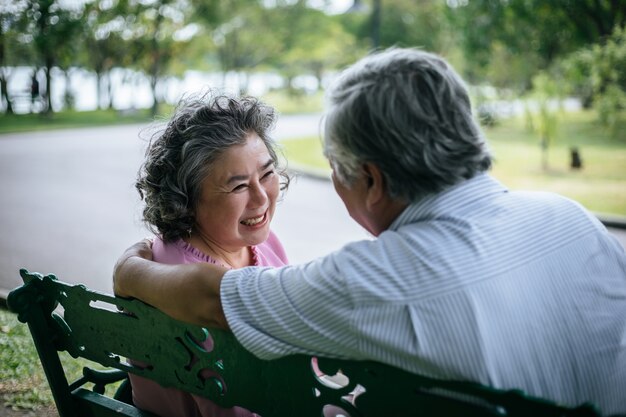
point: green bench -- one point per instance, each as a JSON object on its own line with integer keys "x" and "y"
{"x": 101, "y": 328}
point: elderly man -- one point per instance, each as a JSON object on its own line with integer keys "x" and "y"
{"x": 465, "y": 279}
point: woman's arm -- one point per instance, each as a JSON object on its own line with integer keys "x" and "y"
{"x": 189, "y": 292}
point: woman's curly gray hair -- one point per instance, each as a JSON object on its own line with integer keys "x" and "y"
{"x": 408, "y": 112}
{"x": 180, "y": 156}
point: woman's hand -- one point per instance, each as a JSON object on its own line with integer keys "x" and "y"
{"x": 187, "y": 292}
{"x": 122, "y": 271}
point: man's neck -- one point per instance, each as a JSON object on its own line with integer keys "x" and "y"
{"x": 386, "y": 214}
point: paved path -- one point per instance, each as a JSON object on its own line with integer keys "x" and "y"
{"x": 68, "y": 204}
{"x": 69, "y": 207}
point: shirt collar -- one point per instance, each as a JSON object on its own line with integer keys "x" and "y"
{"x": 449, "y": 201}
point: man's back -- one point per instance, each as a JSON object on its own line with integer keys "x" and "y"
{"x": 514, "y": 290}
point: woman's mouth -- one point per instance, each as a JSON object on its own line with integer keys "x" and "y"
{"x": 253, "y": 221}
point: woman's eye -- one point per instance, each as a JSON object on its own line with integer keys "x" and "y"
{"x": 268, "y": 174}
{"x": 240, "y": 187}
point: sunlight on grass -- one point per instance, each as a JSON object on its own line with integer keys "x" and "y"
{"x": 306, "y": 151}
{"x": 23, "y": 384}
{"x": 600, "y": 185}
{"x": 70, "y": 119}
{"x": 294, "y": 103}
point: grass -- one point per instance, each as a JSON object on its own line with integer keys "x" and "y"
{"x": 23, "y": 383}
{"x": 283, "y": 102}
{"x": 600, "y": 185}
{"x": 69, "y": 119}
{"x": 294, "y": 103}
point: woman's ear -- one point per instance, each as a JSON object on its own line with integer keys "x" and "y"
{"x": 376, "y": 186}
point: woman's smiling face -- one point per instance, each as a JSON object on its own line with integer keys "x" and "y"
{"x": 238, "y": 197}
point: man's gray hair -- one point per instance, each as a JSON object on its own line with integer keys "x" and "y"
{"x": 408, "y": 112}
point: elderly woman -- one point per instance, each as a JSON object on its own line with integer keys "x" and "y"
{"x": 210, "y": 183}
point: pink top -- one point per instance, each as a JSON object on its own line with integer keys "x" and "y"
{"x": 268, "y": 253}
{"x": 169, "y": 402}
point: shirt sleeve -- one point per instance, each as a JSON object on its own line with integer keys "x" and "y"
{"x": 306, "y": 309}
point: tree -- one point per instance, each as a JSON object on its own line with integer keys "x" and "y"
{"x": 13, "y": 47}
{"x": 409, "y": 23}
{"x": 545, "y": 91}
{"x": 598, "y": 73}
{"x": 155, "y": 41}
{"x": 247, "y": 39}
{"x": 105, "y": 48}
{"x": 540, "y": 31}
{"x": 52, "y": 29}
{"x": 321, "y": 43}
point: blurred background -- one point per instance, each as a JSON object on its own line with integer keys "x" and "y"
{"x": 548, "y": 79}
{"x": 81, "y": 81}
{"x": 84, "y": 82}
{"x": 520, "y": 56}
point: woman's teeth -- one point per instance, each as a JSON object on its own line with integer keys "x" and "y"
{"x": 253, "y": 221}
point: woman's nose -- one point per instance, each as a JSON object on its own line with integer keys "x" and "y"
{"x": 258, "y": 195}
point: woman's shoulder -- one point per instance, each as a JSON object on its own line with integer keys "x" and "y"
{"x": 271, "y": 252}
{"x": 177, "y": 252}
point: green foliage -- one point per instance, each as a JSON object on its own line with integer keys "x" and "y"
{"x": 608, "y": 77}
{"x": 240, "y": 44}
{"x": 540, "y": 32}
{"x": 403, "y": 23}
{"x": 609, "y": 104}
{"x": 599, "y": 70}
{"x": 546, "y": 94}
{"x": 502, "y": 43}
{"x": 413, "y": 24}
{"x": 511, "y": 70}
{"x": 102, "y": 41}
{"x": 51, "y": 29}
{"x": 321, "y": 44}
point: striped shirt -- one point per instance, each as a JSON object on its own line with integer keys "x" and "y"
{"x": 510, "y": 289}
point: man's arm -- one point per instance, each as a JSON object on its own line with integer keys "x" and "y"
{"x": 189, "y": 292}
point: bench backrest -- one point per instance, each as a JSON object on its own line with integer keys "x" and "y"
{"x": 108, "y": 330}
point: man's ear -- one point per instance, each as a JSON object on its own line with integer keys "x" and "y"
{"x": 376, "y": 186}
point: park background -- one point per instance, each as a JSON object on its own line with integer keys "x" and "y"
{"x": 546, "y": 79}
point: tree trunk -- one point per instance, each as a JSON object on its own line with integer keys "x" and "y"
{"x": 109, "y": 90}
{"x": 68, "y": 96}
{"x": 242, "y": 82}
{"x": 319, "y": 75}
{"x": 98, "y": 94}
{"x": 48, "y": 97}
{"x": 4, "y": 93}
{"x": 376, "y": 22}
{"x": 155, "y": 102}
